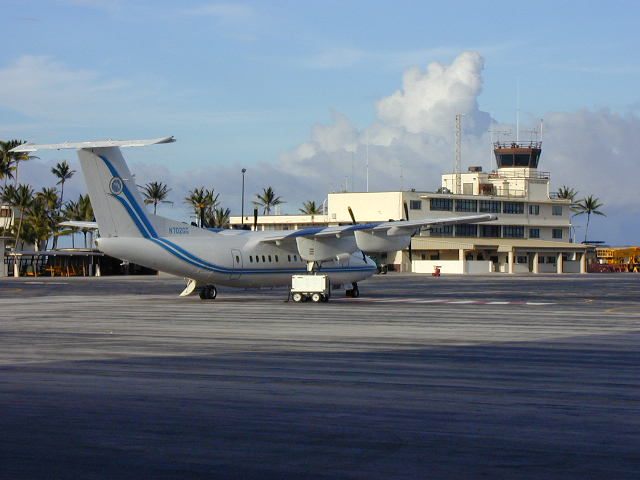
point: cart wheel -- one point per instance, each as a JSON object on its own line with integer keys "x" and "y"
{"x": 316, "y": 297}
{"x": 297, "y": 297}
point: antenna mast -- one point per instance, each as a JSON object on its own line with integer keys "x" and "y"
{"x": 367, "y": 159}
{"x": 457, "y": 166}
{"x": 518, "y": 110}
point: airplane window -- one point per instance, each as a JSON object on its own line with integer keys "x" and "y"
{"x": 237, "y": 259}
{"x": 295, "y": 258}
{"x": 289, "y": 258}
{"x": 269, "y": 257}
{"x": 264, "y": 259}
{"x": 276, "y": 258}
{"x": 250, "y": 258}
{"x": 257, "y": 258}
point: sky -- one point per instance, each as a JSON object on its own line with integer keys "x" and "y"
{"x": 297, "y": 92}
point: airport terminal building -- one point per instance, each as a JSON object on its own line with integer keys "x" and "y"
{"x": 533, "y": 232}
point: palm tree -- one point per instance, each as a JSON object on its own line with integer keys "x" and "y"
{"x": 7, "y": 166}
{"x": 19, "y": 156}
{"x": 267, "y": 200}
{"x": 22, "y": 199}
{"x": 567, "y": 193}
{"x": 200, "y": 200}
{"x": 46, "y": 213}
{"x": 219, "y": 217}
{"x": 589, "y": 205}
{"x": 155, "y": 193}
{"x": 63, "y": 171}
{"x": 85, "y": 211}
{"x": 71, "y": 211}
{"x": 310, "y": 208}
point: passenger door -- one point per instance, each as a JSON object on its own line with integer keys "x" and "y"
{"x": 236, "y": 261}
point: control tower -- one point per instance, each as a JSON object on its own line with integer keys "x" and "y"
{"x": 517, "y": 174}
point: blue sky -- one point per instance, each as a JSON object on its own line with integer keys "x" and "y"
{"x": 246, "y": 83}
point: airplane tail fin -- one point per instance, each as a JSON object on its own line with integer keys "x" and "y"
{"x": 116, "y": 202}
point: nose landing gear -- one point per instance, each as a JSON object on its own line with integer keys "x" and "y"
{"x": 353, "y": 292}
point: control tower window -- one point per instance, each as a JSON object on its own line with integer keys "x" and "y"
{"x": 521, "y": 160}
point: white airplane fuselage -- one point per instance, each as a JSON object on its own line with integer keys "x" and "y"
{"x": 229, "y": 257}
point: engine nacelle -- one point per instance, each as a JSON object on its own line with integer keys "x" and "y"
{"x": 372, "y": 242}
{"x": 323, "y": 249}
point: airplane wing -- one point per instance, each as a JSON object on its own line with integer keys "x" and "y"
{"x": 79, "y": 224}
{"x": 393, "y": 228}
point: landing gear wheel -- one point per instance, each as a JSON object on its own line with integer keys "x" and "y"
{"x": 355, "y": 293}
{"x": 316, "y": 297}
{"x": 208, "y": 292}
{"x": 297, "y": 297}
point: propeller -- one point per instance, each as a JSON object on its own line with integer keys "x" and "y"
{"x": 255, "y": 219}
{"x": 353, "y": 222}
{"x": 353, "y": 217}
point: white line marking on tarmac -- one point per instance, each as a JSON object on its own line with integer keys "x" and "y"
{"x": 445, "y": 301}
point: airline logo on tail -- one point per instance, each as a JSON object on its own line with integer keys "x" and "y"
{"x": 116, "y": 185}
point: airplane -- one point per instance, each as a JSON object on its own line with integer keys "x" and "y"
{"x": 236, "y": 258}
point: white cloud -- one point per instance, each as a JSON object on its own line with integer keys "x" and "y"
{"x": 428, "y": 101}
{"x": 43, "y": 88}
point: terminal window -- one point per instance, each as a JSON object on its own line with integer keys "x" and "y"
{"x": 415, "y": 204}
{"x": 466, "y": 230}
{"x": 534, "y": 209}
{"x": 466, "y": 205}
{"x": 556, "y": 209}
{"x": 534, "y": 233}
{"x": 513, "y": 207}
{"x": 513, "y": 231}
{"x": 489, "y": 206}
{"x": 441, "y": 204}
{"x": 556, "y": 233}
{"x": 442, "y": 231}
{"x": 490, "y": 231}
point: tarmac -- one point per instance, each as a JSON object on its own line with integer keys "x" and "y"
{"x": 453, "y": 377}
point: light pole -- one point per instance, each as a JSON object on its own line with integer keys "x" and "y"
{"x": 244, "y": 170}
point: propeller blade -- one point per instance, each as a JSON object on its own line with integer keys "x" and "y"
{"x": 255, "y": 219}
{"x": 406, "y": 211}
{"x": 353, "y": 221}
{"x": 353, "y": 217}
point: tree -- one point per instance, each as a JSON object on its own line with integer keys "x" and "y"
{"x": 71, "y": 211}
{"x": 155, "y": 193}
{"x": 7, "y": 166}
{"x": 589, "y": 205}
{"x": 567, "y": 193}
{"x": 19, "y": 157}
{"x": 85, "y": 211}
{"x": 20, "y": 197}
{"x": 266, "y": 200}
{"x": 63, "y": 172}
{"x": 200, "y": 200}
{"x": 219, "y": 217}
{"x": 310, "y": 208}
{"x": 44, "y": 215}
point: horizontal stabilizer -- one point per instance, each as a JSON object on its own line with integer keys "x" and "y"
{"x": 28, "y": 147}
{"x": 78, "y": 224}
